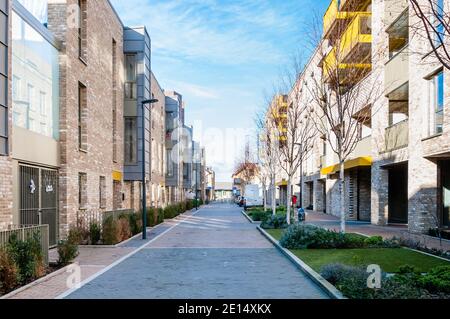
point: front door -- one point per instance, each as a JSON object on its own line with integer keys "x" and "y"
{"x": 398, "y": 194}
{"x": 39, "y": 199}
{"x": 445, "y": 171}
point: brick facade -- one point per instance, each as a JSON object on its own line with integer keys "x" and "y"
{"x": 95, "y": 72}
{"x": 368, "y": 188}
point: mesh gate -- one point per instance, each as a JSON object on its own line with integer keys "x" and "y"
{"x": 39, "y": 199}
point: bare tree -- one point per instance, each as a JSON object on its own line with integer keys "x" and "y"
{"x": 342, "y": 90}
{"x": 246, "y": 168}
{"x": 434, "y": 24}
{"x": 268, "y": 152}
{"x": 294, "y": 126}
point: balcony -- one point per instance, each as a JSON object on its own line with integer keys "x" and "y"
{"x": 333, "y": 19}
{"x": 363, "y": 148}
{"x": 348, "y": 72}
{"x": 397, "y": 136}
{"x": 357, "y": 38}
{"x": 397, "y": 71}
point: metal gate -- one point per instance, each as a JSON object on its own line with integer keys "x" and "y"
{"x": 39, "y": 199}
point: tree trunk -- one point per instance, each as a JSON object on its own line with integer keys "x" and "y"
{"x": 288, "y": 206}
{"x": 342, "y": 195}
{"x": 264, "y": 197}
{"x": 274, "y": 199}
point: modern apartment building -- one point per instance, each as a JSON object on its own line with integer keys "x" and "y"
{"x": 158, "y": 145}
{"x": 399, "y": 172}
{"x": 72, "y": 80}
{"x": 89, "y": 139}
{"x": 174, "y": 129}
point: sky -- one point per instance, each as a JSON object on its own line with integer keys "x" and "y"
{"x": 222, "y": 56}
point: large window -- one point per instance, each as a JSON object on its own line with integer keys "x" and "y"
{"x": 35, "y": 72}
{"x": 130, "y": 140}
{"x": 38, "y": 8}
{"x": 437, "y": 103}
{"x": 130, "y": 80}
{"x": 398, "y": 34}
{"x": 169, "y": 163}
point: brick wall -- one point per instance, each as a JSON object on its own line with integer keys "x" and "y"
{"x": 103, "y": 27}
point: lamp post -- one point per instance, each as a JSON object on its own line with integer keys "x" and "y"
{"x": 144, "y": 192}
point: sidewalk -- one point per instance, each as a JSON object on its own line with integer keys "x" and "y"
{"x": 91, "y": 260}
{"x": 333, "y": 223}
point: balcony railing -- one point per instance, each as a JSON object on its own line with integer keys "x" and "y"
{"x": 397, "y": 136}
{"x": 332, "y": 15}
{"x": 358, "y": 32}
{"x": 397, "y": 70}
{"x": 363, "y": 148}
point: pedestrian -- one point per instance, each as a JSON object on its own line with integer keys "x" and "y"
{"x": 294, "y": 200}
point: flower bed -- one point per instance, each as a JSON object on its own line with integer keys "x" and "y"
{"x": 117, "y": 227}
{"x": 342, "y": 259}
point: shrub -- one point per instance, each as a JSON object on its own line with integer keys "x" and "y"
{"x": 67, "y": 252}
{"x": 437, "y": 280}
{"x": 135, "y": 221}
{"x": 95, "y": 233}
{"x": 9, "y": 273}
{"x": 260, "y": 216}
{"x": 111, "y": 231}
{"x": 301, "y": 236}
{"x": 374, "y": 241}
{"x": 78, "y": 235}
{"x": 27, "y": 256}
{"x": 160, "y": 218}
{"x": 124, "y": 229}
{"x": 275, "y": 222}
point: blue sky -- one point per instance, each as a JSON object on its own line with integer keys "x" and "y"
{"x": 221, "y": 55}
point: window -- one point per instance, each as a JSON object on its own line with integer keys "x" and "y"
{"x": 436, "y": 103}
{"x": 102, "y": 191}
{"x": 114, "y": 97}
{"x": 82, "y": 117}
{"x": 30, "y": 97}
{"x": 38, "y": 8}
{"x": 82, "y": 30}
{"x": 16, "y": 83}
{"x": 130, "y": 81}
{"x": 42, "y": 104}
{"x": 398, "y": 34}
{"x": 439, "y": 17}
{"x": 82, "y": 190}
{"x": 169, "y": 163}
{"x": 35, "y": 60}
{"x": 130, "y": 140}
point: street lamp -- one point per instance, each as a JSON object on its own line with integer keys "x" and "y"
{"x": 144, "y": 192}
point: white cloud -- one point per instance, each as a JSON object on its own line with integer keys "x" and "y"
{"x": 234, "y": 33}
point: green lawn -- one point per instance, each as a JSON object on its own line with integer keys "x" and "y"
{"x": 390, "y": 259}
{"x": 275, "y": 233}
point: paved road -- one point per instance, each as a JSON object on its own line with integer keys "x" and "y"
{"x": 213, "y": 254}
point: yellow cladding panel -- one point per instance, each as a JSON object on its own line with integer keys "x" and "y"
{"x": 357, "y": 162}
{"x": 359, "y": 31}
{"x": 330, "y": 15}
{"x": 117, "y": 176}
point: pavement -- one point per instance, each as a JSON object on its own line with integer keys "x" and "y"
{"x": 214, "y": 253}
{"x": 366, "y": 228}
